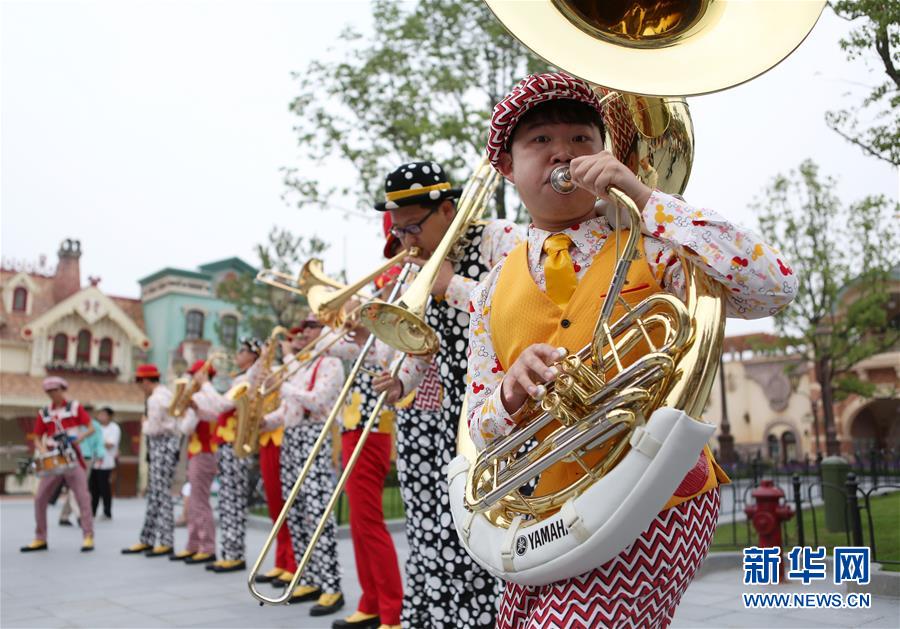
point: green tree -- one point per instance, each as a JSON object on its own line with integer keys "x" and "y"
{"x": 873, "y": 126}
{"x": 845, "y": 257}
{"x": 423, "y": 84}
{"x": 262, "y": 306}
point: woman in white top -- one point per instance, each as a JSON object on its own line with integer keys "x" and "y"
{"x": 103, "y": 468}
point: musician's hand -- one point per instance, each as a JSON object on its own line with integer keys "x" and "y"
{"x": 595, "y": 173}
{"x": 201, "y": 377}
{"x": 533, "y": 368}
{"x": 445, "y": 274}
{"x": 384, "y": 382}
{"x": 287, "y": 349}
{"x": 192, "y": 404}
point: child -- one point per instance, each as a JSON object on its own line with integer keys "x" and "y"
{"x": 543, "y": 289}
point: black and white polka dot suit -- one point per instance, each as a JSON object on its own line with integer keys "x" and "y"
{"x": 444, "y": 586}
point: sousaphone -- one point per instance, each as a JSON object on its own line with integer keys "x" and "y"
{"x": 631, "y": 423}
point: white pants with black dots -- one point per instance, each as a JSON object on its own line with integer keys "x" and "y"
{"x": 159, "y": 518}
{"x": 323, "y": 569}
{"x": 232, "y": 502}
{"x": 444, "y": 587}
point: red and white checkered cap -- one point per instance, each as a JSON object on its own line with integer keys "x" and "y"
{"x": 532, "y": 90}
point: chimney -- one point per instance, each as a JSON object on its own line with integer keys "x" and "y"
{"x": 67, "y": 280}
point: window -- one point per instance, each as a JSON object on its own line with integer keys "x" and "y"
{"x": 60, "y": 348}
{"x": 106, "y": 351}
{"x": 228, "y": 331}
{"x": 789, "y": 445}
{"x": 83, "y": 349}
{"x": 20, "y": 299}
{"x": 194, "y": 325}
{"x": 774, "y": 450}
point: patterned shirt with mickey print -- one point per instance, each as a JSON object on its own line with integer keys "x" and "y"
{"x": 758, "y": 282}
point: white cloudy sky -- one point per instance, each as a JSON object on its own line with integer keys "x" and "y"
{"x": 154, "y": 131}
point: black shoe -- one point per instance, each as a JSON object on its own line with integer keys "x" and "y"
{"x": 229, "y": 566}
{"x": 34, "y": 546}
{"x": 369, "y": 623}
{"x": 201, "y": 558}
{"x": 65, "y": 523}
{"x": 280, "y": 583}
{"x": 137, "y": 549}
{"x": 323, "y": 610}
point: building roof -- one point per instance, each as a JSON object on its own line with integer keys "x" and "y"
{"x": 227, "y": 264}
{"x": 132, "y": 307}
{"x": 22, "y": 390}
{"x": 169, "y": 270}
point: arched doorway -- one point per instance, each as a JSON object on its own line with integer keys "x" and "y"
{"x": 789, "y": 451}
{"x": 876, "y": 426}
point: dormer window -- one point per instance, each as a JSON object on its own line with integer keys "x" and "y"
{"x": 60, "y": 347}
{"x": 20, "y": 299}
{"x": 83, "y": 351}
{"x": 106, "y": 352}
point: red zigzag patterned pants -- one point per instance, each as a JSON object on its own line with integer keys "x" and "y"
{"x": 641, "y": 587}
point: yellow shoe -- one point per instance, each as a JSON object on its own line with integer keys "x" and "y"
{"x": 182, "y": 555}
{"x": 328, "y": 603}
{"x": 229, "y": 565}
{"x": 87, "y": 544}
{"x": 304, "y": 593}
{"x": 271, "y": 575}
{"x": 134, "y": 549}
{"x": 37, "y": 544}
{"x": 207, "y": 558}
{"x": 388, "y": 626}
{"x": 159, "y": 551}
{"x": 359, "y": 617}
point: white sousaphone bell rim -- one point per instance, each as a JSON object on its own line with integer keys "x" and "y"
{"x": 614, "y": 511}
{"x": 740, "y": 40}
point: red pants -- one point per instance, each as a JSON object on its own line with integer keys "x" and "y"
{"x": 373, "y": 548}
{"x": 270, "y": 469}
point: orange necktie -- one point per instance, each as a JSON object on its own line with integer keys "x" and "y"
{"x": 559, "y": 270}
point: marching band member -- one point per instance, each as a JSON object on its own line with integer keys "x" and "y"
{"x": 233, "y": 480}
{"x": 197, "y": 426}
{"x": 158, "y": 533}
{"x": 270, "y": 442}
{"x": 307, "y": 398}
{"x": 377, "y": 567}
{"x": 54, "y": 423}
{"x": 445, "y": 587}
{"x": 564, "y": 265}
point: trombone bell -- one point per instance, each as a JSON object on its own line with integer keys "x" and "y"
{"x": 400, "y": 327}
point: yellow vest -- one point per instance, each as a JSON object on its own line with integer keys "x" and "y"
{"x": 522, "y": 314}
{"x": 275, "y": 436}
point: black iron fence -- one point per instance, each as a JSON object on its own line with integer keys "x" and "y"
{"x": 804, "y": 490}
{"x": 870, "y": 466}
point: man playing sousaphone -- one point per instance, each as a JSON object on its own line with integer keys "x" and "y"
{"x": 444, "y": 588}
{"x": 548, "y": 292}
{"x": 55, "y": 433}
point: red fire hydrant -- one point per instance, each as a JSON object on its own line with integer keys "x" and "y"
{"x": 768, "y": 514}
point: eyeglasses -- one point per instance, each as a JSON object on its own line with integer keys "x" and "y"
{"x": 413, "y": 230}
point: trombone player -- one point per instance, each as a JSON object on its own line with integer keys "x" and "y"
{"x": 445, "y": 587}
{"x": 306, "y": 399}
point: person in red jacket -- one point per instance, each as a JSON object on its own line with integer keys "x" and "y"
{"x": 57, "y": 427}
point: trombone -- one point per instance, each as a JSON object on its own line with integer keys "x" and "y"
{"x": 323, "y": 435}
{"x": 401, "y": 324}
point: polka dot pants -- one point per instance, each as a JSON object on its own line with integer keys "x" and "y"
{"x": 444, "y": 586}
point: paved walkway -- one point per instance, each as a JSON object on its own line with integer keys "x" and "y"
{"x": 63, "y": 588}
